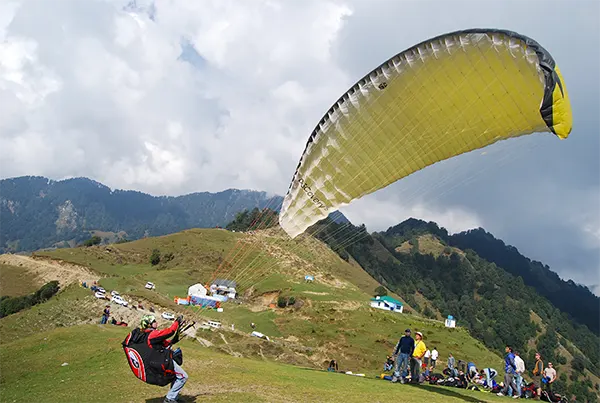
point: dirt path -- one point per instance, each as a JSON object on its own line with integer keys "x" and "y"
{"x": 49, "y": 270}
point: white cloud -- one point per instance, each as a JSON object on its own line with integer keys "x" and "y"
{"x": 176, "y": 96}
{"x": 109, "y": 89}
{"x": 382, "y": 214}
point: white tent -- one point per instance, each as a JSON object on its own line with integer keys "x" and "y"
{"x": 197, "y": 290}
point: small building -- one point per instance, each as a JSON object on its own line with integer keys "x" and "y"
{"x": 450, "y": 321}
{"x": 309, "y": 279}
{"x": 223, "y": 287}
{"x": 387, "y": 303}
{"x": 197, "y": 290}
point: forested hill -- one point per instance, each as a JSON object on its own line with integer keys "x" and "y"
{"x": 38, "y": 212}
{"x": 576, "y": 300}
{"x": 419, "y": 261}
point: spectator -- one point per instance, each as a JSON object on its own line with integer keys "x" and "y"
{"x": 451, "y": 364}
{"x": 333, "y": 366}
{"x": 520, "y": 370}
{"x": 537, "y": 373}
{"x": 402, "y": 353}
{"x": 105, "y": 315}
{"x": 426, "y": 358}
{"x": 509, "y": 373}
{"x": 471, "y": 371}
{"x": 434, "y": 357}
{"x": 550, "y": 375}
{"x": 490, "y": 374}
{"x": 418, "y": 354}
{"x": 389, "y": 364}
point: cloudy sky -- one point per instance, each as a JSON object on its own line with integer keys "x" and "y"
{"x": 177, "y": 96}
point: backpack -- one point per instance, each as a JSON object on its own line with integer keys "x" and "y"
{"x": 528, "y": 391}
{"x": 552, "y": 397}
{"x": 461, "y": 381}
{"x": 151, "y": 365}
{"x": 434, "y": 378}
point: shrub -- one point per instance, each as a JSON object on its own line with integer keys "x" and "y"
{"x": 155, "y": 257}
{"x": 282, "y": 301}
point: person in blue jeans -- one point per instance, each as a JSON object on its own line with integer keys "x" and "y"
{"x": 519, "y": 371}
{"x": 402, "y": 352}
{"x": 105, "y": 315}
{"x": 509, "y": 373}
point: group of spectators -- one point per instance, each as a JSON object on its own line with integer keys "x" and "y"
{"x": 411, "y": 353}
{"x": 410, "y": 356}
{"x": 514, "y": 370}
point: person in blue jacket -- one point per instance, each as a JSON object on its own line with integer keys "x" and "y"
{"x": 471, "y": 371}
{"x": 510, "y": 369}
{"x": 402, "y": 353}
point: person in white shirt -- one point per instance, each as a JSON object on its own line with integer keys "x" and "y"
{"x": 550, "y": 375}
{"x": 434, "y": 357}
{"x": 426, "y": 359}
{"x": 519, "y": 375}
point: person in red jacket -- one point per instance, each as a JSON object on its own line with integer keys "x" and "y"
{"x": 158, "y": 339}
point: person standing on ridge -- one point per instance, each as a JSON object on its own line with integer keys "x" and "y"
{"x": 550, "y": 375}
{"x": 537, "y": 374}
{"x": 451, "y": 364}
{"x": 417, "y": 357}
{"x": 509, "y": 373}
{"x": 105, "y": 314}
{"x": 434, "y": 357}
{"x": 426, "y": 358}
{"x": 402, "y": 353}
{"x": 519, "y": 373}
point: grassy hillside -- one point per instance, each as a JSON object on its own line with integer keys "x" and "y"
{"x": 14, "y": 281}
{"x": 438, "y": 279}
{"x": 331, "y": 318}
{"x": 32, "y": 370}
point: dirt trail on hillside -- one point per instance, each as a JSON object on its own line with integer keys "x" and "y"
{"x": 48, "y": 270}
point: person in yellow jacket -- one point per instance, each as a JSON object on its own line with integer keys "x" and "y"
{"x": 417, "y": 357}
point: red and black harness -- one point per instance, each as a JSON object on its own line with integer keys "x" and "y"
{"x": 149, "y": 361}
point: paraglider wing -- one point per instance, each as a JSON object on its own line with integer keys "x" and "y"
{"x": 443, "y": 97}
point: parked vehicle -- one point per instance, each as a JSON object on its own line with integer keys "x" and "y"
{"x": 168, "y": 316}
{"x": 119, "y": 300}
{"x": 150, "y": 285}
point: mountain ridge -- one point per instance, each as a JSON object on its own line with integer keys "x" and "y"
{"x": 39, "y": 212}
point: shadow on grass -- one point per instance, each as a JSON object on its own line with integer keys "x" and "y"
{"x": 182, "y": 399}
{"x": 446, "y": 391}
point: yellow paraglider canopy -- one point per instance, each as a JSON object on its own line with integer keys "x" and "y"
{"x": 443, "y": 97}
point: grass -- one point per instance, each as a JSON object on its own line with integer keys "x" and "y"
{"x": 334, "y": 319}
{"x": 31, "y": 369}
{"x": 68, "y": 307}
{"x": 16, "y": 281}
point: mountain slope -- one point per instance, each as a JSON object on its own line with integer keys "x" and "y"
{"x": 38, "y": 212}
{"x": 498, "y": 308}
{"x": 331, "y": 317}
{"x": 577, "y": 300}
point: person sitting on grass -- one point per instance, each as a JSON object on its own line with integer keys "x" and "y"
{"x": 389, "y": 364}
